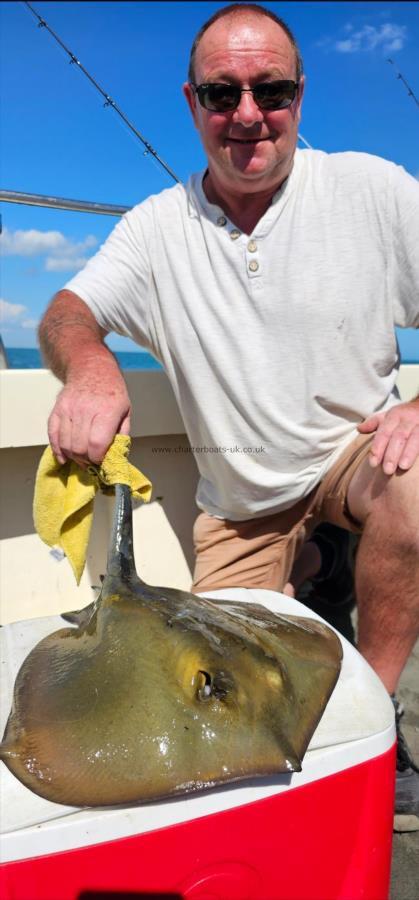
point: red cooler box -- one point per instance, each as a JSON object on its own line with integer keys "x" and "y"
{"x": 321, "y": 834}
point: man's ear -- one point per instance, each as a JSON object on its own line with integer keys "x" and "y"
{"x": 302, "y": 85}
{"x": 190, "y": 99}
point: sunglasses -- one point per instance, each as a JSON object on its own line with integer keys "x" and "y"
{"x": 219, "y": 97}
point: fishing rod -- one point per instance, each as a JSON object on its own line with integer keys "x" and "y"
{"x": 400, "y": 77}
{"x": 108, "y": 100}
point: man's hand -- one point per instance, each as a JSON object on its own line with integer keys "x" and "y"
{"x": 86, "y": 417}
{"x": 396, "y": 442}
{"x": 94, "y": 404}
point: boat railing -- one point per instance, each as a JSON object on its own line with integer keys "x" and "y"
{"x": 104, "y": 209}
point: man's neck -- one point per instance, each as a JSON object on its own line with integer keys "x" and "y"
{"x": 244, "y": 209}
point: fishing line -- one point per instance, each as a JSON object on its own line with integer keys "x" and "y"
{"x": 303, "y": 141}
{"x": 149, "y": 150}
{"x": 400, "y": 77}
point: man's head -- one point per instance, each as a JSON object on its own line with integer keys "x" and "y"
{"x": 235, "y": 10}
{"x": 249, "y": 147}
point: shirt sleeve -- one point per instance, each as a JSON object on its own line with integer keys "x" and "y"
{"x": 405, "y": 248}
{"x": 115, "y": 283}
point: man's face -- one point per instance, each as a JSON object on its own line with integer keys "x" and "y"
{"x": 248, "y": 149}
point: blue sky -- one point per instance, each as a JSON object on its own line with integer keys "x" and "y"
{"x": 58, "y": 139}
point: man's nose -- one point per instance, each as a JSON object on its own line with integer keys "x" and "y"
{"x": 248, "y": 112}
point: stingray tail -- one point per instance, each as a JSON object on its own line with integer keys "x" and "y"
{"x": 121, "y": 561}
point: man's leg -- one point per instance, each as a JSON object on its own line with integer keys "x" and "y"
{"x": 257, "y": 553}
{"x": 307, "y": 564}
{"x": 387, "y": 567}
{"x": 387, "y": 579}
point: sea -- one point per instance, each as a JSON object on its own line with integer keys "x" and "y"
{"x": 29, "y": 358}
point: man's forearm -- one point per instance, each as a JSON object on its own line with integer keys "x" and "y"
{"x": 70, "y": 338}
{"x": 94, "y": 403}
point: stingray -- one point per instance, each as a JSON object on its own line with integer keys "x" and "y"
{"x": 154, "y": 692}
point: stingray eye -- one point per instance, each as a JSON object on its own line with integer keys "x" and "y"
{"x": 203, "y": 685}
{"x": 222, "y": 686}
{"x": 217, "y": 687}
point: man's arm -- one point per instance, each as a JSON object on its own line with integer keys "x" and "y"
{"x": 94, "y": 404}
{"x": 396, "y": 440}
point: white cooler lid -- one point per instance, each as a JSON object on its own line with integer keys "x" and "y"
{"x": 357, "y": 725}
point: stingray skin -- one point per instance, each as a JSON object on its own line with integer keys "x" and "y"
{"x": 154, "y": 692}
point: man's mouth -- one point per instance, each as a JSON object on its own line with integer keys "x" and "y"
{"x": 254, "y": 140}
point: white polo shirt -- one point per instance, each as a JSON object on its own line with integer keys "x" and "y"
{"x": 276, "y": 344}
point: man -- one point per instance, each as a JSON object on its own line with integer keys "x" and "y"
{"x": 269, "y": 287}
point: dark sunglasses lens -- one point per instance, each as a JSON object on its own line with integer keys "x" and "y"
{"x": 275, "y": 94}
{"x": 219, "y": 97}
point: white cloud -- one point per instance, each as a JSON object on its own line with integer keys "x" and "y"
{"x": 9, "y": 312}
{"x": 389, "y": 37}
{"x": 11, "y": 317}
{"x": 65, "y": 263}
{"x": 62, "y": 253}
{"x": 31, "y": 242}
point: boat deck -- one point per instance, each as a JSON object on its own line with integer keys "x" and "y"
{"x": 405, "y": 869}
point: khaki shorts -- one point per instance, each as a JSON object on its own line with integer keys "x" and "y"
{"x": 259, "y": 552}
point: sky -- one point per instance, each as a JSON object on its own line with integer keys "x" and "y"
{"x": 58, "y": 139}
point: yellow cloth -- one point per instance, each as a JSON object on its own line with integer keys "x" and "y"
{"x": 64, "y": 495}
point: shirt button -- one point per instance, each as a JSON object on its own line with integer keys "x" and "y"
{"x": 252, "y": 246}
{"x": 221, "y": 220}
{"x": 253, "y": 265}
{"x": 234, "y": 234}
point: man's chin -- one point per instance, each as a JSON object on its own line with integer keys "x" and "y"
{"x": 258, "y": 163}
{"x": 252, "y": 159}
{"x": 252, "y": 168}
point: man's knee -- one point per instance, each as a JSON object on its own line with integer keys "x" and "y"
{"x": 388, "y": 501}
